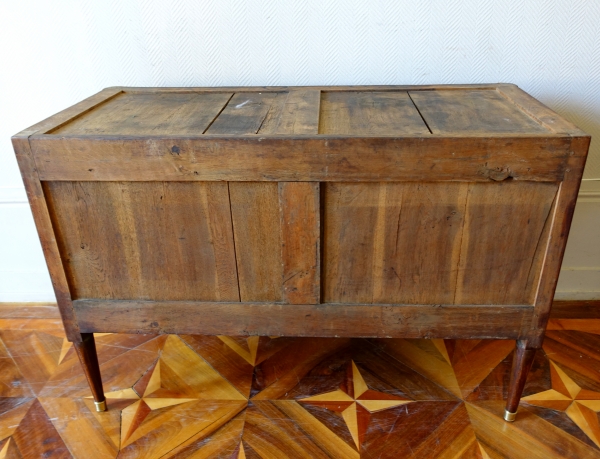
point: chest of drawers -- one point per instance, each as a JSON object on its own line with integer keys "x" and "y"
{"x": 414, "y": 212}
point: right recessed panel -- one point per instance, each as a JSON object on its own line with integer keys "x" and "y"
{"x": 434, "y": 243}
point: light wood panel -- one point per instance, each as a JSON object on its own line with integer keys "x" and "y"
{"x": 502, "y": 230}
{"x": 370, "y": 113}
{"x": 384, "y": 239}
{"x": 300, "y": 114}
{"x": 149, "y": 114}
{"x": 148, "y": 240}
{"x": 429, "y": 243}
{"x": 300, "y": 241}
{"x": 391, "y": 243}
{"x": 474, "y": 111}
{"x": 256, "y": 223}
{"x": 247, "y": 113}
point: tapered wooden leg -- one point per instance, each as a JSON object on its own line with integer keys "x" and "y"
{"x": 522, "y": 362}
{"x": 86, "y": 351}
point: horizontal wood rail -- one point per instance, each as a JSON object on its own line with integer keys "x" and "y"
{"x": 307, "y": 158}
{"x": 324, "y": 320}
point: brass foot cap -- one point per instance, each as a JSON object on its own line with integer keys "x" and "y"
{"x": 508, "y": 416}
{"x": 100, "y": 406}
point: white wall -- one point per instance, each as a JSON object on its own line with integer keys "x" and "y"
{"x": 54, "y": 53}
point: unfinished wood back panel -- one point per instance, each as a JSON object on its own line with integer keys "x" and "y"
{"x": 145, "y": 240}
{"x": 257, "y": 228}
{"x": 433, "y": 243}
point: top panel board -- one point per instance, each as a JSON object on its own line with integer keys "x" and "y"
{"x": 473, "y": 112}
{"x": 305, "y": 111}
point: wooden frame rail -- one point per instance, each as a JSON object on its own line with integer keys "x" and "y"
{"x": 324, "y": 320}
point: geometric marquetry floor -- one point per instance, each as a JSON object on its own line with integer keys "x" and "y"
{"x": 199, "y": 396}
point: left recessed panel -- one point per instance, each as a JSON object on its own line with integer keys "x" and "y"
{"x": 151, "y": 113}
{"x": 145, "y": 240}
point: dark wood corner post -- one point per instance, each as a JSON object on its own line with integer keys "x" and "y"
{"x": 83, "y": 342}
{"x": 522, "y": 362}
{"x": 86, "y": 351}
{"x": 561, "y": 215}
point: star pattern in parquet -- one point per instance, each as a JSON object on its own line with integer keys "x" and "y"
{"x": 233, "y": 397}
{"x": 580, "y": 405}
{"x": 355, "y": 401}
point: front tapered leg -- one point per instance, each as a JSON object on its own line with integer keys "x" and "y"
{"x": 522, "y": 362}
{"x": 86, "y": 351}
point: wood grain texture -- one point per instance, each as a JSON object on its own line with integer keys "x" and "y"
{"x": 559, "y": 232}
{"x": 576, "y": 309}
{"x": 71, "y": 113}
{"x": 538, "y": 111}
{"x": 475, "y": 111}
{"x": 389, "y": 243}
{"x": 370, "y": 113}
{"x": 43, "y": 223}
{"x": 477, "y": 243}
{"x": 149, "y": 114}
{"x": 247, "y": 113}
{"x": 503, "y": 224}
{"x": 86, "y": 352}
{"x": 301, "y": 158}
{"x": 29, "y": 311}
{"x": 299, "y": 205}
{"x": 327, "y": 320}
{"x": 256, "y": 225}
{"x": 300, "y": 114}
{"x": 522, "y": 361}
{"x": 149, "y": 240}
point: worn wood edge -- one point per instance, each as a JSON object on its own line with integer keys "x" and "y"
{"x": 538, "y": 137}
{"x": 323, "y": 320}
{"x": 150, "y": 89}
{"x": 43, "y": 223}
{"x": 302, "y": 158}
{"x": 538, "y": 111}
{"x": 69, "y": 114}
{"x": 559, "y": 232}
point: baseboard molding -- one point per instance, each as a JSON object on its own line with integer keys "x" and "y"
{"x": 560, "y": 310}
{"x": 578, "y": 309}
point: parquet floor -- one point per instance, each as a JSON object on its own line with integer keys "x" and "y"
{"x": 229, "y": 397}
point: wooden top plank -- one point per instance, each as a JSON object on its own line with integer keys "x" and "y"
{"x": 538, "y": 111}
{"x": 149, "y": 114}
{"x": 473, "y": 111}
{"x": 353, "y": 111}
{"x": 247, "y": 112}
{"x": 370, "y": 112}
